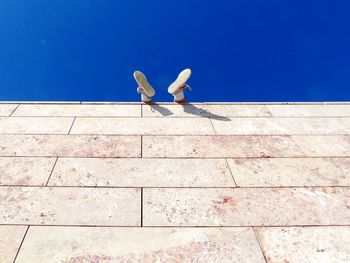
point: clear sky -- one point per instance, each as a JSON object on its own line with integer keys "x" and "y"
{"x": 239, "y": 50}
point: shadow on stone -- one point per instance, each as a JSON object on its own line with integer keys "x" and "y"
{"x": 162, "y": 110}
{"x": 191, "y": 109}
{"x": 188, "y": 108}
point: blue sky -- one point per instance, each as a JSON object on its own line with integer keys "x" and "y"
{"x": 239, "y": 50}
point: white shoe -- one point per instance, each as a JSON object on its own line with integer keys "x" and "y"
{"x": 145, "y": 89}
{"x": 176, "y": 88}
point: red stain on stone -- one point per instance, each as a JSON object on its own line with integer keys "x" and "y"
{"x": 224, "y": 200}
{"x": 89, "y": 259}
{"x": 220, "y": 206}
{"x": 195, "y": 250}
{"x": 239, "y": 161}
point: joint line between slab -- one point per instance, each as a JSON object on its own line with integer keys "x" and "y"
{"x": 14, "y": 110}
{"x": 176, "y": 158}
{"x": 53, "y": 167}
{"x": 233, "y": 178}
{"x": 179, "y": 134}
{"x": 212, "y": 125}
{"x": 261, "y": 249}
{"x": 20, "y": 246}
{"x": 141, "y": 146}
{"x": 175, "y": 187}
{"x": 178, "y": 226}
{"x": 180, "y": 117}
{"x": 141, "y": 206}
{"x": 71, "y": 125}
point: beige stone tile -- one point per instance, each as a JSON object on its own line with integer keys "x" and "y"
{"x": 141, "y": 172}
{"x": 310, "y": 110}
{"x": 10, "y": 240}
{"x": 258, "y": 172}
{"x": 7, "y": 109}
{"x": 202, "y": 110}
{"x": 305, "y": 244}
{"x": 324, "y": 145}
{"x": 113, "y": 102}
{"x": 25, "y": 170}
{"x": 70, "y": 206}
{"x": 70, "y": 145}
{"x": 35, "y": 125}
{"x": 153, "y": 126}
{"x": 245, "y": 206}
{"x": 220, "y": 146}
{"x": 72, "y": 244}
{"x": 79, "y": 110}
{"x": 41, "y": 102}
{"x": 284, "y": 126}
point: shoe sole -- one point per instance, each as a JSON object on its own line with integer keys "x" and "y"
{"x": 180, "y": 81}
{"x": 142, "y": 82}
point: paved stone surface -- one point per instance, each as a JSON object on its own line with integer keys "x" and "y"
{"x": 58, "y": 244}
{"x": 141, "y": 173}
{"x": 220, "y": 146}
{"x": 25, "y": 171}
{"x": 130, "y": 182}
{"x": 7, "y": 109}
{"x": 201, "y": 110}
{"x": 70, "y": 206}
{"x": 305, "y": 244}
{"x": 79, "y": 110}
{"x": 284, "y": 126}
{"x": 70, "y": 145}
{"x": 324, "y": 146}
{"x": 10, "y": 240}
{"x": 142, "y": 126}
{"x": 24, "y": 125}
{"x": 257, "y": 172}
{"x": 310, "y": 110}
{"x": 246, "y": 207}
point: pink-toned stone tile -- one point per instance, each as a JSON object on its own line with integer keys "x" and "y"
{"x": 113, "y": 102}
{"x": 25, "y": 170}
{"x": 310, "y": 110}
{"x": 70, "y": 206}
{"x": 285, "y": 126}
{"x": 72, "y": 244}
{"x": 35, "y": 125}
{"x": 220, "y": 146}
{"x": 141, "y": 172}
{"x": 245, "y": 206}
{"x": 79, "y": 110}
{"x": 40, "y": 102}
{"x": 257, "y": 172}
{"x": 70, "y": 145}
{"x": 7, "y": 109}
{"x": 305, "y": 244}
{"x": 10, "y": 240}
{"x": 153, "y": 126}
{"x": 110, "y": 102}
{"x": 203, "y": 110}
{"x": 324, "y": 145}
